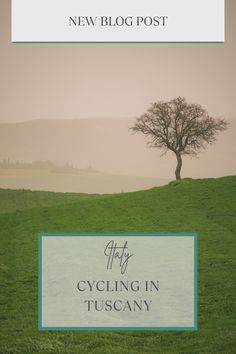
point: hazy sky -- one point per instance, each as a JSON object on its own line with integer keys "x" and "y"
{"x": 64, "y": 81}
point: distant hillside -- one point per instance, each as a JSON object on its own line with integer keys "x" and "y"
{"x": 109, "y": 146}
{"x": 73, "y": 180}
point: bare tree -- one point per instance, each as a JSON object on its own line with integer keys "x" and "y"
{"x": 183, "y": 128}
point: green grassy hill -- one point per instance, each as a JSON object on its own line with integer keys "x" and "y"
{"x": 205, "y": 206}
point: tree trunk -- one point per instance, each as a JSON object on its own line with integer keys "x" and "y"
{"x": 179, "y": 165}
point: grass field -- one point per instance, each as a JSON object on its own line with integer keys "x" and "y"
{"x": 205, "y": 206}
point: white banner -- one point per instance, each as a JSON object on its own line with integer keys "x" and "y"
{"x": 118, "y": 21}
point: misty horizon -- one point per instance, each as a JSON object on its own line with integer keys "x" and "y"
{"x": 89, "y": 118}
{"x": 108, "y": 145}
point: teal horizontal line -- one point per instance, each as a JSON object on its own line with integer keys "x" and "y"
{"x": 117, "y": 328}
{"x": 69, "y": 42}
{"x": 138, "y": 234}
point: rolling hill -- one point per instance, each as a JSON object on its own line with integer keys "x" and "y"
{"x": 206, "y": 206}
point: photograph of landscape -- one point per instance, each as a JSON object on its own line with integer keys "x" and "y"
{"x": 117, "y": 138}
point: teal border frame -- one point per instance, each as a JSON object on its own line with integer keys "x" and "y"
{"x": 129, "y": 234}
